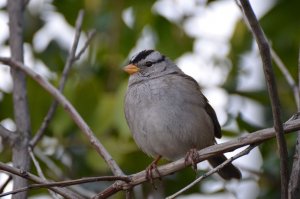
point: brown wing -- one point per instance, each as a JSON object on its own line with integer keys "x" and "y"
{"x": 210, "y": 111}
{"x": 212, "y": 114}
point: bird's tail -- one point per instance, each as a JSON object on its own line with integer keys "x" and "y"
{"x": 229, "y": 171}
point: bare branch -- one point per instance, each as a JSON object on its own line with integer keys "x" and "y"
{"x": 72, "y": 54}
{"x": 214, "y": 170}
{"x": 68, "y": 183}
{"x": 87, "y": 43}
{"x": 272, "y": 89}
{"x": 299, "y": 70}
{"x": 58, "y": 173}
{"x": 26, "y": 175}
{"x": 49, "y": 163}
{"x": 282, "y": 67}
{"x": 294, "y": 183}
{"x": 253, "y": 138}
{"x": 67, "y": 67}
{"x": 287, "y": 76}
{"x": 40, "y": 172}
{"x": 62, "y": 183}
{"x": 5, "y": 183}
{"x": 37, "y": 165}
{"x": 71, "y": 111}
{"x": 20, "y": 156}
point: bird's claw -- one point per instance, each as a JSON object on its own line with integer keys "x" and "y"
{"x": 149, "y": 171}
{"x": 191, "y": 156}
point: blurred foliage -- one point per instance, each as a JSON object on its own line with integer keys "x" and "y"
{"x": 96, "y": 86}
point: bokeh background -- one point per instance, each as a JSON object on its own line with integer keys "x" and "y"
{"x": 207, "y": 39}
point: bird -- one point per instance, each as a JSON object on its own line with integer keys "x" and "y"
{"x": 167, "y": 114}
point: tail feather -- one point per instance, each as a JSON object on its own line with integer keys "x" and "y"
{"x": 229, "y": 171}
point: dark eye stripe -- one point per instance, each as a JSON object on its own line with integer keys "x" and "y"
{"x": 142, "y": 55}
{"x": 149, "y": 63}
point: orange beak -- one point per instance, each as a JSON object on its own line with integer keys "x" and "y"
{"x": 131, "y": 69}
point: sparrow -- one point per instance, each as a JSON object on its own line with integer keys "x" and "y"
{"x": 167, "y": 114}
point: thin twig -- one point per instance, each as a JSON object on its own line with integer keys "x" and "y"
{"x": 40, "y": 171}
{"x": 287, "y": 76}
{"x": 299, "y": 79}
{"x": 72, "y": 54}
{"x": 37, "y": 165}
{"x": 253, "y": 138}
{"x": 86, "y": 44}
{"x": 214, "y": 170}
{"x": 67, "y": 67}
{"x": 282, "y": 67}
{"x": 48, "y": 162}
{"x": 71, "y": 111}
{"x": 5, "y": 183}
{"x": 294, "y": 183}
{"x": 68, "y": 183}
{"x": 27, "y": 175}
{"x": 59, "y": 173}
{"x": 273, "y": 94}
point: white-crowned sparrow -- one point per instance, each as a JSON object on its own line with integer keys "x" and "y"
{"x": 167, "y": 113}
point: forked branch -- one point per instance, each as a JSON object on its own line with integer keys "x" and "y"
{"x": 264, "y": 49}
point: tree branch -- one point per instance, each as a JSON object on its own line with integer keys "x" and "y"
{"x": 67, "y": 67}
{"x": 40, "y": 172}
{"x": 20, "y": 157}
{"x": 71, "y": 111}
{"x": 49, "y": 163}
{"x": 26, "y": 175}
{"x": 250, "y": 139}
{"x": 58, "y": 173}
{"x": 61, "y": 183}
{"x": 294, "y": 184}
{"x": 272, "y": 89}
{"x": 5, "y": 183}
{"x": 68, "y": 183}
{"x": 88, "y": 41}
{"x": 288, "y": 77}
{"x": 253, "y": 138}
{"x": 212, "y": 171}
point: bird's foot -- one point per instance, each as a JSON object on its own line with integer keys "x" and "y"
{"x": 149, "y": 171}
{"x": 192, "y": 156}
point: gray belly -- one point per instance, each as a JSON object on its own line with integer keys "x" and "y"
{"x": 169, "y": 128}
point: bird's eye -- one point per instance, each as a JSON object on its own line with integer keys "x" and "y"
{"x": 148, "y": 63}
